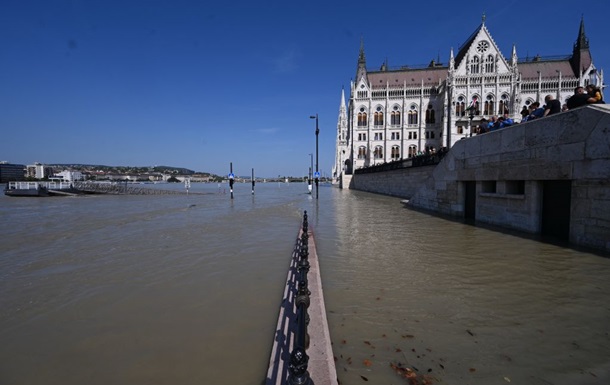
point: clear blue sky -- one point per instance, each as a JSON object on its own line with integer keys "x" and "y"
{"x": 187, "y": 84}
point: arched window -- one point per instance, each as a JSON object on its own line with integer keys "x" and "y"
{"x": 378, "y": 117}
{"x": 412, "y": 150}
{"x": 362, "y": 118}
{"x": 476, "y": 104}
{"x": 395, "y": 152}
{"x": 378, "y": 152}
{"x": 430, "y": 114}
{"x": 503, "y": 107}
{"x": 490, "y": 64}
{"x": 474, "y": 65}
{"x": 460, "y": 106}
{"x": 395, "y": 116}
{"x": 361, "y": 152}
{"x": 412, "y": 115}
{"x": 488, "y": 108}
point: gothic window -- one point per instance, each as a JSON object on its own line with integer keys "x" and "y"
{"x": 395, "y": 118}
{"x": 412, "y": 151}
{"x": 412, "y": 115}
{"x": 395, "y": 135}
{"x": 488, "y": 107}
{"x": 474, "y": 65}
{"x": 362, "y": 118}
{"x": 378, "y": 152}
{"x": 379, "y": 136}
{"x": 460, "y": 106}
{"x": 430, "y": 114}
{"x": 503, "y": 105}
{"x": 476, "y": 104}
{"x": 490, "y": 63}
{"x": 395, "y": 152}
{"x": 412, "y": 134}
{"x": 361, "y": 152}
{"x": 378, "y": 117}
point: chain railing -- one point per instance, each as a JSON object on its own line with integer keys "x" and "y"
{"x": 297, "y": 368}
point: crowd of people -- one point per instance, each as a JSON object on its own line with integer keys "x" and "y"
{"x": 582, "y": 96}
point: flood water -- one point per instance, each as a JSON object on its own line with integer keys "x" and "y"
{"x": 186, "y": 290}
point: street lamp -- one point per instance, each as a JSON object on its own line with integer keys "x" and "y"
{"x": 317, "y": 174}
{"x": 470, "y": 117}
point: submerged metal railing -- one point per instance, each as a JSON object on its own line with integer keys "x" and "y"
{"x": 297, "y": 368}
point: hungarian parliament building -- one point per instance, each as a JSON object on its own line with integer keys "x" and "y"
{"x": 398, "y": 113}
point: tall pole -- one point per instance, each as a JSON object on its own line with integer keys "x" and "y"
{"x": 317, "y": 174}
{"x": 231, "y": 180}
{"x": 310, "y": 175}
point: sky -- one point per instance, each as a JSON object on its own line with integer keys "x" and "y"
{"x": 201, "y": 85}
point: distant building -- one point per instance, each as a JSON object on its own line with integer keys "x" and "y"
{"x": 11, "y": 172}
{"x": 38, "y": 171}
{"x": 69, "y": 176}
{"x": 398, "y": 113}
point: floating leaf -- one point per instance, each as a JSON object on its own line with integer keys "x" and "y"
{"x": 398, "y": 350}
{"x": 506, "y": 379}
{"x": 367, "y": 363}
{"x": 469, "y": 332}
{"x": 408, "y": 336}
{"x": 472, "y": 370}
{"x": 364, "y": 378}
{"x": 367, "y": 342}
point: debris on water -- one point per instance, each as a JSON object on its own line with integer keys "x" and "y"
{"x": 469, "y": 332}
{"x": 367, "y": 363}
{"x": 506, "y": 379}
{"x": 364, "y": 378}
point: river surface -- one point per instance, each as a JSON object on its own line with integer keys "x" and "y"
{"x": 177, "y": 289}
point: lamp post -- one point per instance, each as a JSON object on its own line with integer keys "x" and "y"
{"x": 470, "y": 117}
{"x": 310, "y": 175}
{"x": 317, "y": 174}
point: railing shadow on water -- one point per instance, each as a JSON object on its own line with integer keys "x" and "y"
{"x": 289, "y": 360}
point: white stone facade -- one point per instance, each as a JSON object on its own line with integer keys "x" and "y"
{"x": 395, "y": 114}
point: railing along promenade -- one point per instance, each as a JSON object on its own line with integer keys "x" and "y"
{"x": 416, "y": 161}
{"x": 302, "y": 352}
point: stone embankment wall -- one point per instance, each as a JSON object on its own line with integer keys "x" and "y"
{"x": 506, "y": 177}
{"x": 401, "y": 183}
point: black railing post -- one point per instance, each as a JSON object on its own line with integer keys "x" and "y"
{"x": 298, "y": 374}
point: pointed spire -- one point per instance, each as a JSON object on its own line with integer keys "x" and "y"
{"x": 483, "y": 17}
{"x": 513, "y": 58}
{"x": 361, "y": 56}
{"x": 342, "y": 107}
{"x": 581, "y": 42}
{"x": 451, "y": 60}
{"x": 361, "y": 70}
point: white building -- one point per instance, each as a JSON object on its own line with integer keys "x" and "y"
{"x": 395, "y": 114}
{"x": 38, "y": 171}
{"x": 70, "y": 176}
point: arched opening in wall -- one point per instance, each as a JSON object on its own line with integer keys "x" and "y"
{"x": 556, "y": 204}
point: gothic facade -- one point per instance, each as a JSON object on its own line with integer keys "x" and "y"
{"x": 394, "y": 114}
